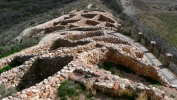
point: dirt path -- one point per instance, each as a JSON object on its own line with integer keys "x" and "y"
{"x": 49, "y": 37}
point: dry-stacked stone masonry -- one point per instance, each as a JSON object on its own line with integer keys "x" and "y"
{"x": 76, "y": 51}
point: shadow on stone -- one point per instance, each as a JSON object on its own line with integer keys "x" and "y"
{"x": 41, "y": 69}
{"x": 66, "y": 43}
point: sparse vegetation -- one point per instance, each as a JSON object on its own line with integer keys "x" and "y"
{"x": 172, "y": 96}
{"x": 109, "y": 66}
{"x": 142, "y": 96}
{"x": 89, "y": 86}
{"x": 10, "y": 66}
{"x": 126, "y": 32}
{"x": 21, "y": 14}
{"x": 89, "y": 96}
{"x": 162, "y": 24}
{"x": 6, "y": 91}
{"x": 13, "y": 48}
{"x": 69, "y": 89}
{"x": 151, "y": 81}
{"x": 87, "y": 92}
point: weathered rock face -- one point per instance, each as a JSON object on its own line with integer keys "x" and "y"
{"x": 46, "y": 66}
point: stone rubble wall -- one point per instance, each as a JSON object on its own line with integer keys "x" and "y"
{"x": 46, "y": 66}
{"x": 106, "y": 85}
{"x": 86, "y": 28}
{"x": 86, "y": 15}
{"x": 47, "y": 87}
{"x": 31, "y": 51}
{"x": 41, "y": 27}
{"x": 66, "y": 43}
{"x": 6, "y": 77}
{"x": 22, "y": 58}
{"x": 65, "y": 22}
{"x": 84, "y": 35}
{"x": 134, "y": 56}
{"x": 68, "y": 21}
{"x": 103, "y": 81}
{"x": 133, "y": 62}
{"x": 112, "y": 39}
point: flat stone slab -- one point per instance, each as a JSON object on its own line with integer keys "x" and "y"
{"x": 169, "y": 75}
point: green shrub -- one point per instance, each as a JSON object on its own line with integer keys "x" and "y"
{"x": 6, "y": 91}
{"x": 89, "y": 96}
{"x": 109, "y": 65}
{"x": 13, "y": 48}
{"x": 67, "y": 88}
{"x": 172, "y": 96}
{"x": 63, "y": 98}
{"x": 124, "y": 68}
{"x": 126, "y": 32}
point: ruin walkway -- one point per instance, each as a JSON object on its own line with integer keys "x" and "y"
{"x": 150, "y": 57}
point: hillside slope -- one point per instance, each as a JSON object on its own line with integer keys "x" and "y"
{"x": 18, "y": 15}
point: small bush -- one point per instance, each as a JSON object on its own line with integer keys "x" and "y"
{"x": 6, "y": 91}
{"x": 63, "y": 98}
{"x": 109, "y": 65}
{"x": 89, "y": 96}
{"x": 112, "y": 71}
{"x": 69, "y": 89}
{"x": 13, "y": 48}
{"x": 126, "y": 32}
{"x": 65, "y": 89}
{"x": 172, "y": 96}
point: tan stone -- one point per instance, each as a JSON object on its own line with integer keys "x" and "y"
{"x": 29, "y": 93}
{"x": 61, "y": 78}
{"x": 116, "y": 86}
{"x": 97, "y": 74}
{"x": 72, "y": 76}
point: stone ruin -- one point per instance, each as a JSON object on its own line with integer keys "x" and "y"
{"x": 80, "y": 46}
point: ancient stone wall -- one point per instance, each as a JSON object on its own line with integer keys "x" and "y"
{"x": 84, "y": 35}
{"x": 66, "y": 43}
{"x": 46, "y": 66}
{"x": 111, "y": 39}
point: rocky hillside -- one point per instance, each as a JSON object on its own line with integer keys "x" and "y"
{"x": 82, "y": 51}
{"x": 18, "y": 15}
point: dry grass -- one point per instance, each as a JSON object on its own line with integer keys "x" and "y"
{"x": 89, "y": 86}
{"x": 162, "y": 24}
{"x": 142, "y": 96}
